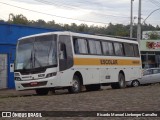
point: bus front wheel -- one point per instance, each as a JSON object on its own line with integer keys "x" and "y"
{"x": 76, "y": 85}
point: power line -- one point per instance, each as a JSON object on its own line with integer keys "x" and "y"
{"x": 147, "y": 10}
{"x": 51, "y": 3}
{"x": 73, "y": 7}
{"x": 63, "y": 3}
{"x": 52, "y": 14}
{"x": 151, "y": 14}
{"x": 155, "y": 2}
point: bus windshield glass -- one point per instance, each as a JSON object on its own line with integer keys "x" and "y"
{"x": 36, "y": 52}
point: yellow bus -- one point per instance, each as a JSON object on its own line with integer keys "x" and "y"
{"x": 71, "y": 60}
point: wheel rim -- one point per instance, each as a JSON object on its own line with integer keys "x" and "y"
{"x": 135, "y": 84}
{"x": 122, "y": 84}
{"x": 75, "y": 85}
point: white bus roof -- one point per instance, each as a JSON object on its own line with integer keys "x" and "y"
{"x": 83, "y": 35}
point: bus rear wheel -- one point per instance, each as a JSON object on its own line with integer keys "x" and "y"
{"x": 76, "y": 85}
{"x": 93, "y": 87}
{"x": 121, "y": 82}
{"x": 42, "y": 91}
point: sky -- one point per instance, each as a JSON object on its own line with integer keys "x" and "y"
{"x": 91, "y": 12}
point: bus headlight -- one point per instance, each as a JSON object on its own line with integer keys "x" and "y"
{"x": 17, "y": 78}
{"x": 51, "y": 74}
{"x": 16, "y": 74}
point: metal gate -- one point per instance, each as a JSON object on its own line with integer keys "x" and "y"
{"x": 3, "y": 71}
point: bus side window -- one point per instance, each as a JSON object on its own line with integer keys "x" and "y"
{"x": 119, "y": 50}
{"x": 107, "y": 48}
{"x": 95, "y": 47}
{"x": 63, "y": 52}
{"x": 80, "y": 46}
{"x": 129, "y": 50}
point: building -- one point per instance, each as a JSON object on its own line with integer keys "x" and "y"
{"x": 9, "y": 34}
{"x": 150, "y": 49}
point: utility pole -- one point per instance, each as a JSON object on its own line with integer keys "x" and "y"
{"x": 131, "y": 21}
{"x": 139, "y": 23}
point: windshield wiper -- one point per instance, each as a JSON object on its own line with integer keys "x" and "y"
{"x": 35, "y": 59}
{"x": 30, "y": 60}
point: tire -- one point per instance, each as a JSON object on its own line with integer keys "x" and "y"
{"x": 121, "y": 82}
{"x": 76, "y": 85}
{"x": 135, "y": 83}
{"x": 42, "y": 91}
{"x": 93, "y": 87}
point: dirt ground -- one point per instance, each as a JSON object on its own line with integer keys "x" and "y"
{"x": 143, "y": 98}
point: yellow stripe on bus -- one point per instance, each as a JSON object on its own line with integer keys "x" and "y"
{"x": 99, "y": 61}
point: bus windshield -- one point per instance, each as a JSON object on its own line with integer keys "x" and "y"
{"x": 36, "y": 52}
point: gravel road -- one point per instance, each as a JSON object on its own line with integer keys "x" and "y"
{"x": 143, "y": 98}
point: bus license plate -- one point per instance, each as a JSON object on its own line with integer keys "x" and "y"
{"x": 34, "y": 83}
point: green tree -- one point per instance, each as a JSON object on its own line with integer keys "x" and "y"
{"x": 110, "y": 29}
{"x": 154, "y": 36}
{"x": 2, "y": 21}
{"x": 39, "y": 23}
{"x": 74, "y": 27}
{"x": 157, "y": 27}
{"x": 83, "y": 28}
{"x": 18, "y": 19}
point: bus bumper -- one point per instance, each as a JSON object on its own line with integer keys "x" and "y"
{"x": 34, "y": 84}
